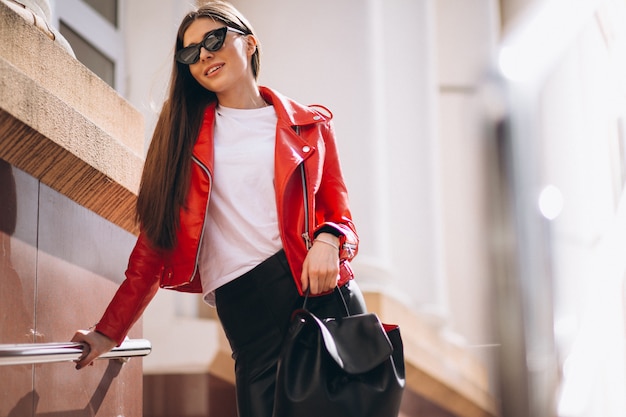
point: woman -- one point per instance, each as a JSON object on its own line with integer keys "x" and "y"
{"x": 242, "y": 198}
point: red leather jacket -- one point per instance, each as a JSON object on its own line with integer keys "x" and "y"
{"x": 306, "y": 170}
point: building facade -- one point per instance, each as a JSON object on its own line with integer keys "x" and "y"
{"x": 486, "y": 192}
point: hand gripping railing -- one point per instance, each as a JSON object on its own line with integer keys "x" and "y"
{"x": 26, "y": 354}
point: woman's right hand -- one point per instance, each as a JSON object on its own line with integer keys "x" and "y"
{"x": 96, "y": 344}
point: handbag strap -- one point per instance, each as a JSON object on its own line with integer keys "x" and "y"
{"x": 336, "y": 290}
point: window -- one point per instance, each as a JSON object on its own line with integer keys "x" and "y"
{"x": 106, "y": 9}
{"x": 89, "y": 55}
{"x": 92, "y": 28}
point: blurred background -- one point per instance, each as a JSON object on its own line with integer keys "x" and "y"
{"x": 483, "y": 144}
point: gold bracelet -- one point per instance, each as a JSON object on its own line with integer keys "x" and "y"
{"x": 328, "y": 243}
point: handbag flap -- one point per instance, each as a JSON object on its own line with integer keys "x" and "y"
{"x": 358, "y": 343}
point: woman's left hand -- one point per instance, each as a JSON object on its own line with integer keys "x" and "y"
{"x": 320, "y": 269}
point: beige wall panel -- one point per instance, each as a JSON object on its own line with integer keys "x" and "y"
{"x": 18, "y": 256}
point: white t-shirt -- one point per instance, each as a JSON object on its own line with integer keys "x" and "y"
{"x": 241, "y": 229}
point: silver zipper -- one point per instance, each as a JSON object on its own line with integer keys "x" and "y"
{"x": 305, "y": 195}
{"x": 206, "y": 212}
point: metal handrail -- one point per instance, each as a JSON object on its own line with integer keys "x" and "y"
{"x": 31, "y": 353}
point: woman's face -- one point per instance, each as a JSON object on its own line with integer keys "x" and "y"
{"x": 227, "y": 70}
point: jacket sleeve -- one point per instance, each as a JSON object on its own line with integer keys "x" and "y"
{"x": 136, "y": 291}
{"x": 331, "y": 200}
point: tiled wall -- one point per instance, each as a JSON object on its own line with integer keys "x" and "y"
{"x": 188, "y": 395}
{"x": 59, "y": 266}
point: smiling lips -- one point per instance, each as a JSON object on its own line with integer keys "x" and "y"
{"x": 213, "y": 69}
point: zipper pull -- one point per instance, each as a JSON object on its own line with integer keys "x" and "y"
{"x": 307, "y": 240}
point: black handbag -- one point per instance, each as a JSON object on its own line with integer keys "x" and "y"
{"x": 345, "y": 367}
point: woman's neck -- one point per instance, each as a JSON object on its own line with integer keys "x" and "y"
{"x": 245, "y": 98}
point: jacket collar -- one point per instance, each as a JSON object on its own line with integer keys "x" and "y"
{"x": 289, "y": 113}
{"x": 292, "y": 113}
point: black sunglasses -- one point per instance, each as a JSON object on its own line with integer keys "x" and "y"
{"x": 212, "y": 42}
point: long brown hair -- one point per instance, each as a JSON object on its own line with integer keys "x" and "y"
{"x": 166, "y": 173}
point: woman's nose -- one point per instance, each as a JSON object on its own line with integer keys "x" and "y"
{"x": 205, "y": 53}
